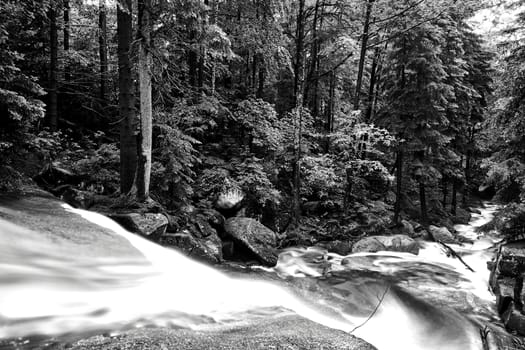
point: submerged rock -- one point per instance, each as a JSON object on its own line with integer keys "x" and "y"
{"x": 149, "y": 225}
{"x": 441, "y": 234}
{"x": 396, "y": 243}
{"x": 255, "y": 237}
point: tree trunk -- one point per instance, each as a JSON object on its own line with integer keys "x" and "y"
{"x": 311, "y": 98}
{"x": 52, "y": 110}
{"x": 67, "y": 30}
{"x": 329, "y": 110}
{"x": 399, "y": 185}
{"x": 423, "y": 202}
{"x": 146, "y": 115}
{"x": 445, "y": 192}
{"x": 468, "y": 160}
{"x": 103, "y": 51}
{"x": 371, "y": 90}
{"x": 454, "y": 203}
{"x": 128, "y": 140}
{"x": 262, "y": 78}
{"x": 298, "y": 94}
{"x": 362, "y": 56}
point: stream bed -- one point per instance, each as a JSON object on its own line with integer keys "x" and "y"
{"x": 391, "y": 300}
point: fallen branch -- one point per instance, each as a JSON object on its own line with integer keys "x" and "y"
{"x": 456, "y": 255}
{"x": 374, "y": 311}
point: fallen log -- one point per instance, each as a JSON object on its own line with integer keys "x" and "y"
{"x": 456, "y": 255}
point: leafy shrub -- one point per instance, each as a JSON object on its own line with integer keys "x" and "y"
{"x": 174, "y": 158}
{"x": 507, "y": 177}
{"x": 321, "y": 177}
{"x": 101, "y": 166}
{"x": 260, "y": 120}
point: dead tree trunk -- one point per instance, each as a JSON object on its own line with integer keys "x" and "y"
{"x": 128, "y": 140}
{"x": 146, "y": 114}
{"x": 299, "y": 97}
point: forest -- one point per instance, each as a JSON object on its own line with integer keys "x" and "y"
{"x": 326, "y": 120}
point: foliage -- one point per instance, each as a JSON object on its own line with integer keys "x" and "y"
{"x": 174, "y": 159}
{"x": 259, "y": 119}
{"x": 322, "y": 177}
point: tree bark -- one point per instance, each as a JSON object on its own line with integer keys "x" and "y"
{"x": 454, "y": 203}
{"x": 423, "y": 202}
{"x": 399, "y": 185}
{"x": 52, "y": 110}
{"x": 299, "y": 97}
{"x": 362, "y": 56}
{"x": 128, "y": 139}
{"x": 67, "y": 31}
{"x": 468, "y": 159}
{"x": 445, "y": 192}
{"x": 311, "y": 98}
{"x": 373, "y": 80}
{"x": 103, "y": 51}
{"x": 146, "y": 113}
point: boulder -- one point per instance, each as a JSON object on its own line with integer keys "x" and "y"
{"x": 514, "y": 320}
{"x": 208, "y": 249}
{"x": 338, "y": 247}
{"x": 150, "y": 225}
{"x": 474, "y": 211}
{"x": 77, "y": 198}
{"x": 395, "y": 243}
{"x": 511, "y": 259}
{"x": 462, "y": 217}
{"x": 255, "y": 237}
{"x": 441, "y": 234}
{"x": 407, "y": 228}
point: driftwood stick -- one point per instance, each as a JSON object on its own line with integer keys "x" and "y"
{"x": 456, "y": 255}
{"x": 374, "y": 311}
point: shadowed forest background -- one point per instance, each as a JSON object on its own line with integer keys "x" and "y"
{"x": 327, "y": 120}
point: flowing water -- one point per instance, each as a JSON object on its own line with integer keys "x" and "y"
{"x": 391, "y": 300}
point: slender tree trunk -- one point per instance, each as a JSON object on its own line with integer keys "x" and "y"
{"x": 128, "y": 140}
{"x": 146, "y": 114}
{"x": 423, "y": 202}
{"x": 52, "y": 108}
{"x": 67, "y": 31}
{"x": 329, "y": 112}
{"x": 399, "y": 185}
{"x": 454, "y": 203}
{"x": 362, "y": 56}
{"x": 468, "y": 160}
{"x": 299, "y": 97}
{"x": 311, "y": 98}
{"x": 262, "y": 78}
{"x": 103, "y": 51}
{"x": 445, "y": 193}
{"x": 371, "y": 90}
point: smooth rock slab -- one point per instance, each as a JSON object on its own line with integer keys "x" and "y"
{"x": 288, "y": 332}
{"x": 257, "y": 238}
{"x": 396, "y": 243}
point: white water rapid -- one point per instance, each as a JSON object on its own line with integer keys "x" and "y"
{"x": 391, "y": 300}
